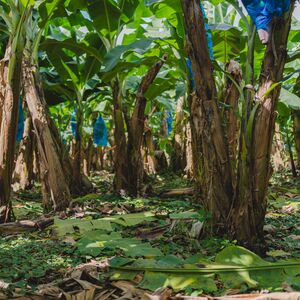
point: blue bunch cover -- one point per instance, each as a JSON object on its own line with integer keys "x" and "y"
{"x": 74, "y": 123}
{"x": 208, "y": 35}
{"x": 20, "y": 130}
{"x": 191, "y": 74}
{"x": 170, "y": 122}
{"x": 100, "y": 133}
{"x": 263, "y": 11}
{"x": 210, "y": 48}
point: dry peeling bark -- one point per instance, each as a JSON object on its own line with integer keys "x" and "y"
{"x": 23, "y": 173}
{"x": 77, "y": 157}
{"x": 189, "y": 169}
{"x": 235, "y": 196}
{"x": 231, "y": 98}
{"x": 150, "y": 161}
{"x": 55, "y": 188}
{"x": 9, "y": 107}
{"x": 212, "y": 168}
{"x": 120, "y": 151}
{"x": 178, "y": 159}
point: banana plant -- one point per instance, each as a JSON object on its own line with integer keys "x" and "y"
{"x": 53, "y": 163}
{"x": 15, "y": 15}
{"x": 77, "y": 61}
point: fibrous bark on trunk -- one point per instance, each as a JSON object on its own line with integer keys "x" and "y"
{"x": 178, "y": 157}
{"x": 77, "y": 155}
{"x": 120, "y": 151}
{"x": 232, "y": 96}
{"x": 55, "y": 189}
{"x": 9, "y": 107}
{"x": 149, "y": 152}
{"x": 189, "y": 169}
{"x": 23, "y": 173}
{"x": 212, "y": 165}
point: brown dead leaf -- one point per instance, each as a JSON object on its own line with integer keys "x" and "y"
{"x": 290, "y": 195}
{"x": 70, "y": 289}
{"x": 153, "y": 233}
{"x": 131, "y": 292}
{"x": 92, "y": 268}
{"x": 294, "y": 237}
{"x": 104, "y": 295}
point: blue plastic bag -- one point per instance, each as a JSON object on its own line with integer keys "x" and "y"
{"x": 191, "y": 74}
{"x": 210, "y": 49}
{"x": 208, "y": 35}
{"x": 262, "y": 12}
{"x": 100, "y": 133}
{"x": 170, "y": 122}
{"x": 74, "y": 123}
{"x": 20, "y": 130}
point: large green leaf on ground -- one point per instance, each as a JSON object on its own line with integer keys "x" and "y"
{"x": 235, "y": 267}
{"x": 137, "y": 218}
{"x": 261, "y": 273}
{"x": 71, "y": 226}
{"x": 178, "y": 282}
{"x": 94, "y": 242}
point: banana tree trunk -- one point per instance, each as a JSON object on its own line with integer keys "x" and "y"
{"x": 250, "y": 205}
{"x": 9, "y": 107}
{"x": 120, "y": 151}
{"x": 23, "y": 173}
{"x": 237, "y": 210}
{"x": 78, "y": 149}
{"x": 56, "y": 193}
{"x": 136, "y": 127}
{"x": 212, "y": 163}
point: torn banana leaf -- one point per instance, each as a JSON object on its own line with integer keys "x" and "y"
{"x": 235, "y": 267}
